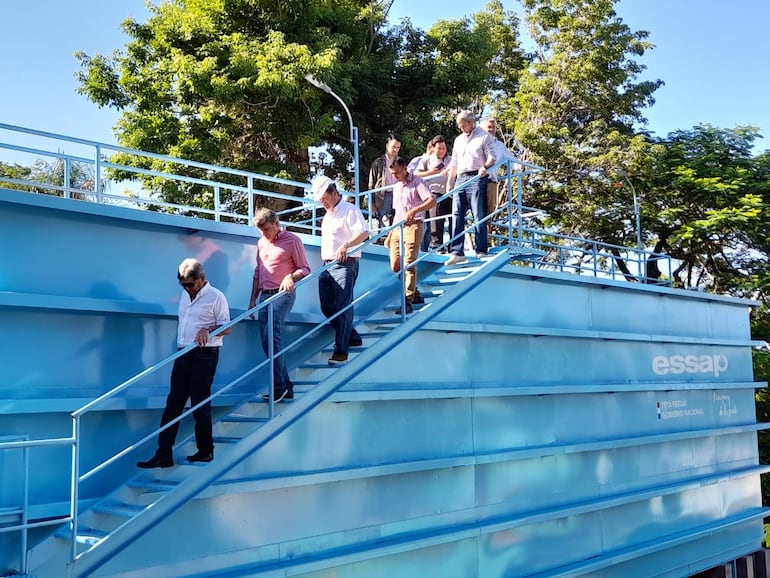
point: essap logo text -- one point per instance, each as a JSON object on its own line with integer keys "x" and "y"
{"x": 678, "y": 364}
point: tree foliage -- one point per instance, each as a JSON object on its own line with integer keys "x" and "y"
{"x": 222, "y": 81}
{"x": 575, "y": 113}
{"x": 707, "y": 206}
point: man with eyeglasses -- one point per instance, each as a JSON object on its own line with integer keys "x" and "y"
{"x": 202, "y": 310}
{"x": 342, "y": 227}
{"x": 281, "y": 262}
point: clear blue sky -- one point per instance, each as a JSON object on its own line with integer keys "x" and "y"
{"x": 713, "y": 57}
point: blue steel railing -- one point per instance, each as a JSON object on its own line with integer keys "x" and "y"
{"x": 77, "y": 415}
{"x": 23, "y": 443}
{"x": 544, "y": 249}
{"x": 233, "y": 194}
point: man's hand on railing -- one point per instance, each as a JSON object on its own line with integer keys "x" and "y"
{"x": 287, "y": 284}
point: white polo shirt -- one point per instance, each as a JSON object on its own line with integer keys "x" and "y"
{"x": 209, "y": 308}
{"x": 339, "y": 226}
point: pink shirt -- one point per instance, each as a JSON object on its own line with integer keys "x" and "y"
{"x": 413, "y": 193}
{"x": 282, "y": 256}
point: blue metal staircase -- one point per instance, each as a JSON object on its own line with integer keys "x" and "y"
{"x": 148, "y": 498}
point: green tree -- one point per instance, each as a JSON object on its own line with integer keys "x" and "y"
{"x": 707, "y": 207}
{"x": 576, "y": 111}
{"x": 222, "y": 81}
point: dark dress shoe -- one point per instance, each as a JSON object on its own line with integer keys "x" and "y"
{"x": 418, "y": 298}
{"x": 201, "y": 457}
{"x": 157, "y": 461}
{"x": 355, "y": 342}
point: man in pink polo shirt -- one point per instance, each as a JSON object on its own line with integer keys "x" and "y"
{"x": 411, "y": 198}
{"x": 281, "y": 262}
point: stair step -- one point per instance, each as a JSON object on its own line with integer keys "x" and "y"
{"x": 320, "y": 365}
{"x": 153, "y": 485}
{"x": 116, "y": 509}
{"x": 244, "y": 419}
{"x": 372, "y": 334}
{"x": 90, "y": 536}
{"x": 439, "y": 281}
{"x": 226, "y": 440}
{"x": 304, "y": 382}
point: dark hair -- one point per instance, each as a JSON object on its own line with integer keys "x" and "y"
{"x": 436, "y": 139}
{"x": 391, "y": 137}
{"x": 398, "y": 162}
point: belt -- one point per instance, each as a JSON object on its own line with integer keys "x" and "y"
{"x": 469, "y": 173}
{"x": 270, "y": 291}
{"x": 327, "y": 261}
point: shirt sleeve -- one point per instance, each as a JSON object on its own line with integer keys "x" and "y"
{"x": 221, "y": 310}
{"x": 489, "y": 149}
{"x": 423, "y": 191}
{"x": 356, "y": 221}
{"x": 257, "y": 266}
{"x": 300, "y": 257}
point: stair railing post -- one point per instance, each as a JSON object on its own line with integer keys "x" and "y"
{"x": 24, "y": 513}
{"x": 217, "y": 204}
{"x": 520, "y": 202}
{"x": 66, "y": 182}
{"x": 74, "y": 487}
{"x": 401, "y": 269}
{"x": 98, "y": 174}
{"x": 509, "y": 200}
{"x": 271, "y": 356}
{"x": 250, "y": 187}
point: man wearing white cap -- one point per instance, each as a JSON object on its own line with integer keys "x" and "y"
{"x": 343, "y": 226}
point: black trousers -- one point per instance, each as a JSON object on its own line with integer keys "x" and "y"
{"x": 191, "y": 378}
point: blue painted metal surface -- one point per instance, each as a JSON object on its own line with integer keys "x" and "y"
{"x": 545, "y": 424}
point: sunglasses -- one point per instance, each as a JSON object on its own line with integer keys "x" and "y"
{"x": 188, "y": 285}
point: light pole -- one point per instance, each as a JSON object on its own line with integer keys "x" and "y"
{"x": 353, "y": 129}
{"x": 637, "y": 214}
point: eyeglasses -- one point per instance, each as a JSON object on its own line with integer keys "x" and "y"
{"x": 188, "y": 285}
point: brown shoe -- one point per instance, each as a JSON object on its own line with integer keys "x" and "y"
{"x": 338, "y": 357}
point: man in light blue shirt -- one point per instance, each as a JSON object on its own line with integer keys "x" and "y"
{"x": 472, "y": 154}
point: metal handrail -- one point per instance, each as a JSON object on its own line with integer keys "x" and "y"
{"x": 219, "y": 212}
{"x": 24, "y": 443}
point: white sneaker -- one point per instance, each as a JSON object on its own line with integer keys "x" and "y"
{"x": 454, "y": 259}
{"x": 481, "y": 255}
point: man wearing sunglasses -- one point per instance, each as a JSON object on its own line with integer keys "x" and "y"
{"x": 202, "y": 310}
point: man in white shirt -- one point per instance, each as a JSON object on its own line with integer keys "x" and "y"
{"x": 472, "y": 154}
{"x": 343, "y": 227}
{"x": 502, "y": 154}
{"x": 202, "y": 310}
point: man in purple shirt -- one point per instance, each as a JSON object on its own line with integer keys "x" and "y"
{"x": 411, "y": 198}
{"x": 281, "y": 262}
{"x": 473, "y": 153}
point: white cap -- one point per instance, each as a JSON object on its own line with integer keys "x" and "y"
{"x": 320, "y": 185}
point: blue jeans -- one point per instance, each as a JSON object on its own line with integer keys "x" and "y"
{"x": 281, "y": 307}
{"x": 473, "y": 197}
{"x": 335, "y": 291}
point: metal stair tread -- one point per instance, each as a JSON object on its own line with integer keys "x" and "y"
{"x": 153, "y": 485}
{"x": 170, "y": 488}
{"x": 226, "y": 440}
{"x": 119, "y": 509}
{"x": 243, "y": 419}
